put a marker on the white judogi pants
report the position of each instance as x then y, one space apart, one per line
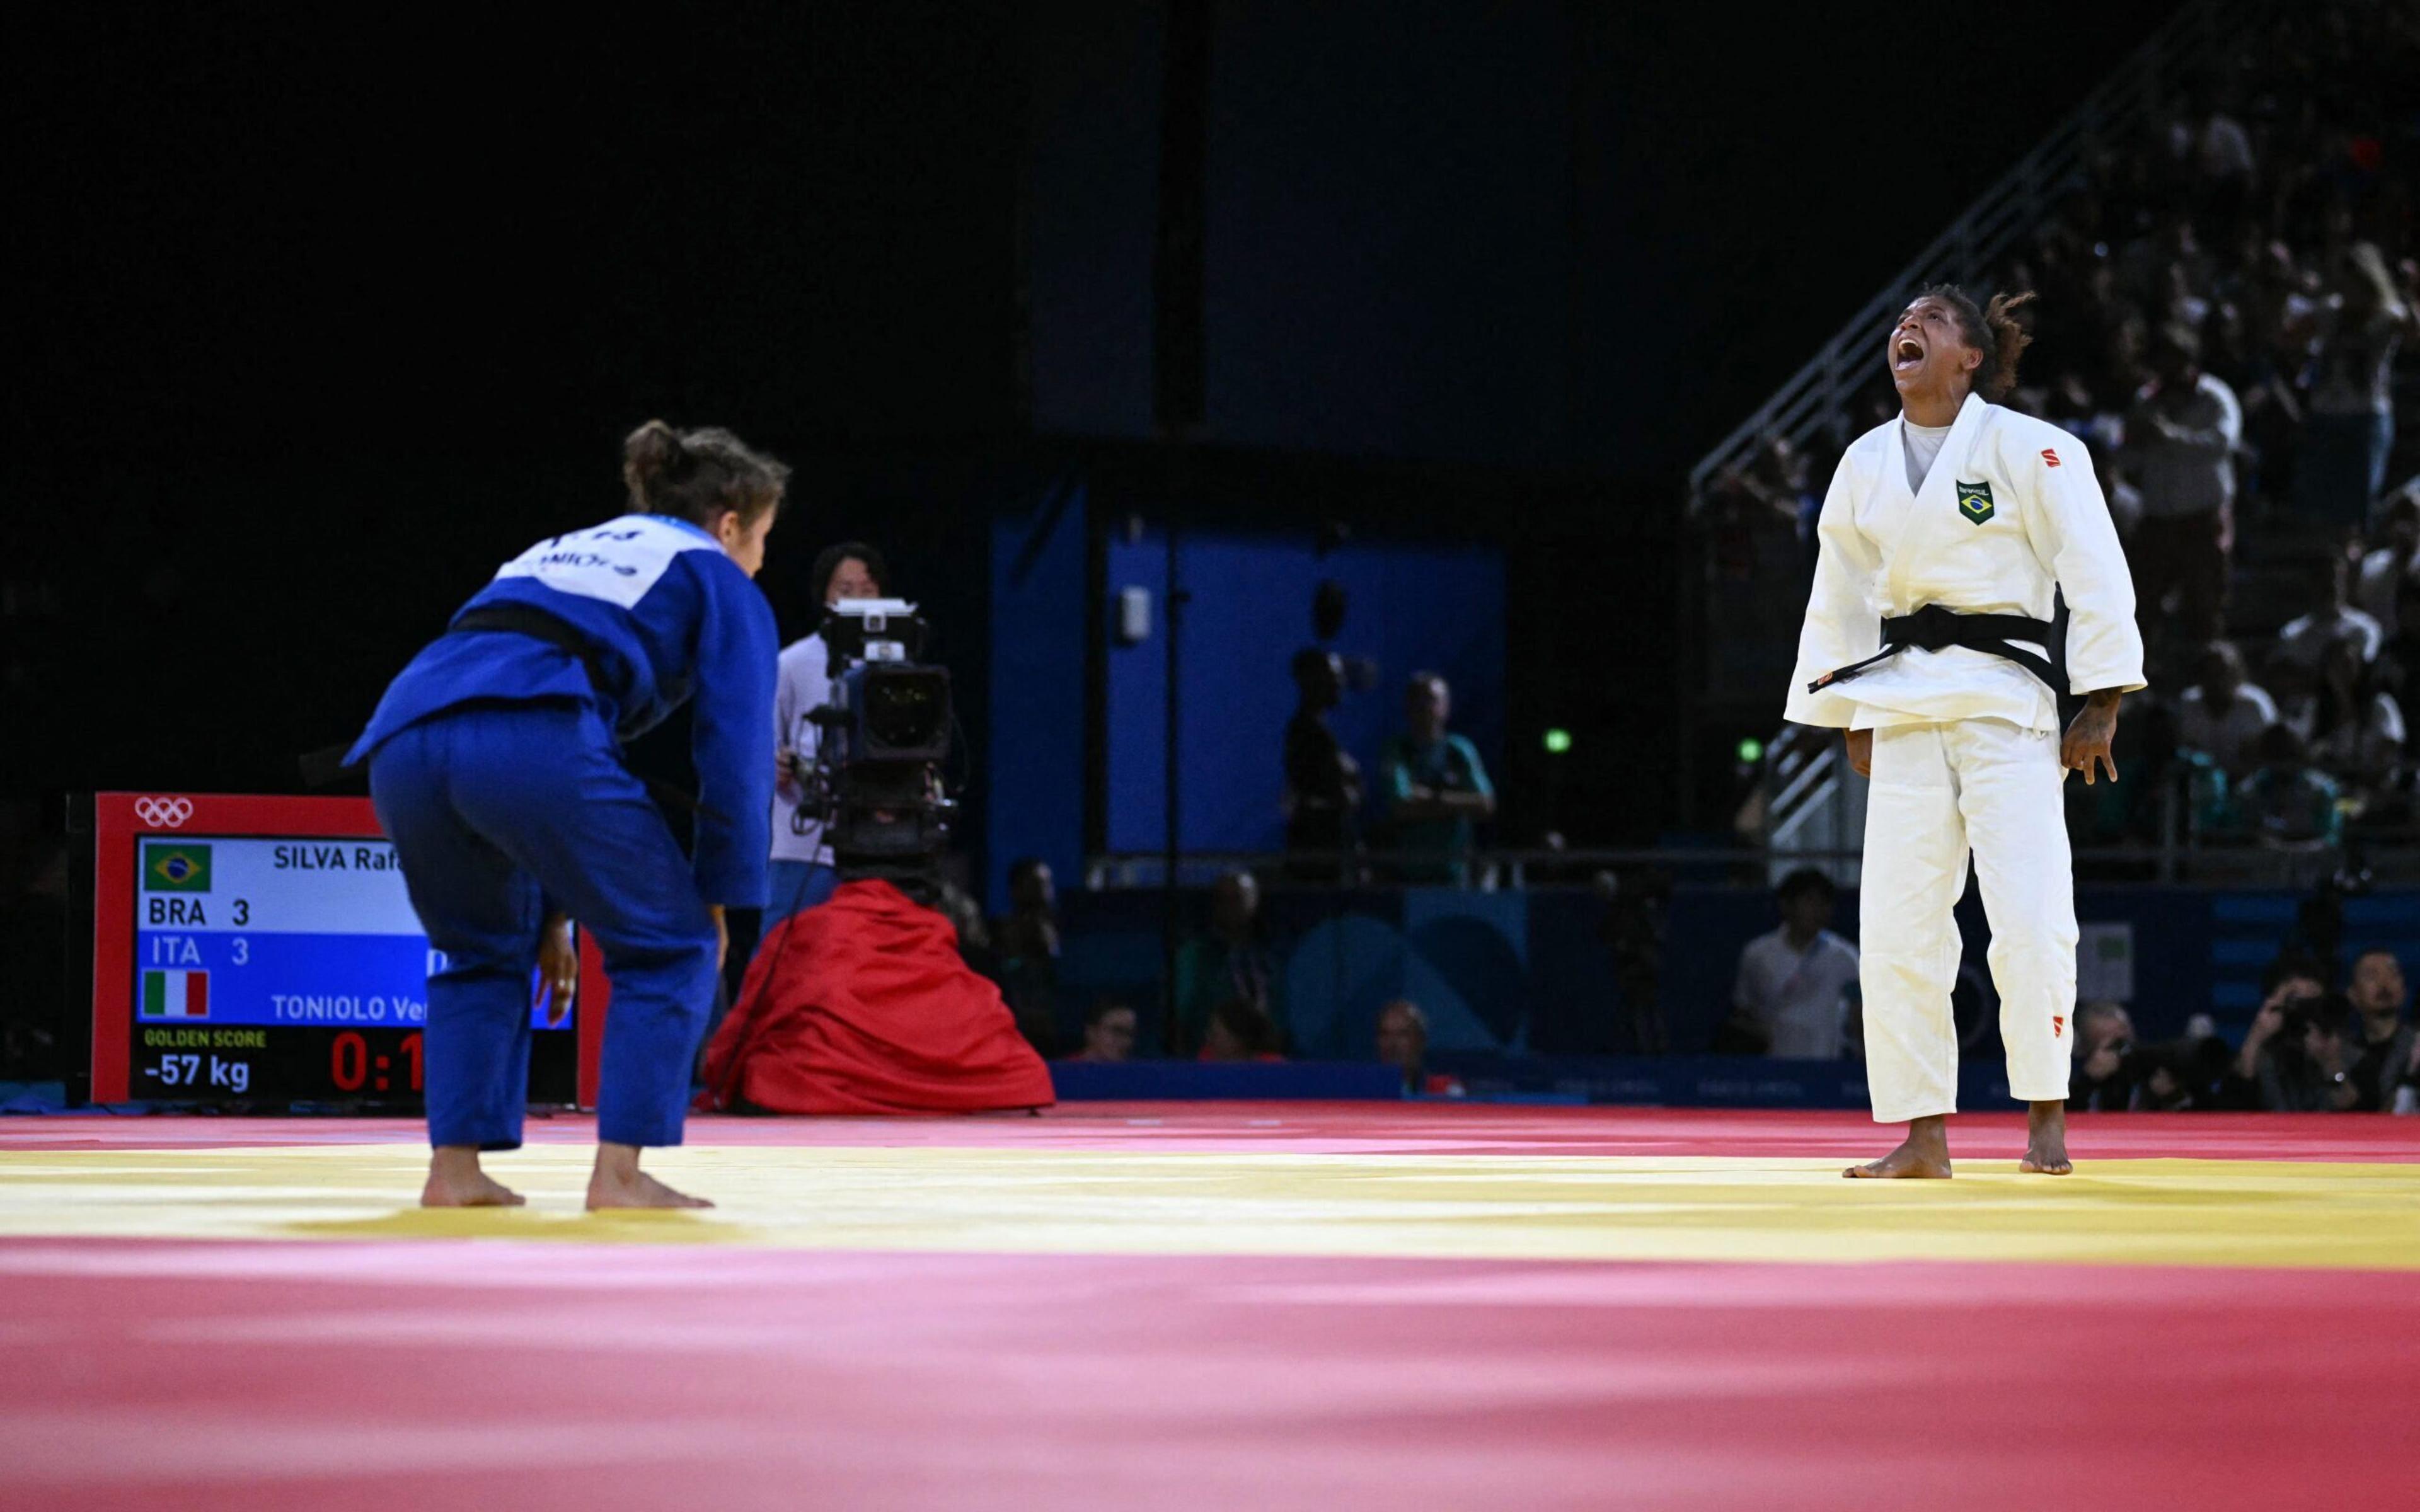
1938 790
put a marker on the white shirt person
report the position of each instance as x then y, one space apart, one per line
1795 985
803 873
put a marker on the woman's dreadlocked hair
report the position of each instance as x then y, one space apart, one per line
1991 330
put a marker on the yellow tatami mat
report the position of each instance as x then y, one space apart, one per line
2166 1212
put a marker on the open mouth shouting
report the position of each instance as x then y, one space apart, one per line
1907 352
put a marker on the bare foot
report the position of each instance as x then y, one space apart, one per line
2046 1141
618 1182
455 1180
1925 1152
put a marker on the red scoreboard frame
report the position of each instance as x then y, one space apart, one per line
119 819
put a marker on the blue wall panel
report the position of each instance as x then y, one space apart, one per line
1035 750
1413 608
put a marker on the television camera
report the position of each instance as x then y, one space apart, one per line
876 782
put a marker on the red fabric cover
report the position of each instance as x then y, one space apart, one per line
864 1006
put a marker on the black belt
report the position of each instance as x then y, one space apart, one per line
323 768
519 619
1935 628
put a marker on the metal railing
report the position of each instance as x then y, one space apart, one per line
1812 811
2182 858
1820 393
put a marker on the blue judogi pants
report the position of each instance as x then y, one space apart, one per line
496 809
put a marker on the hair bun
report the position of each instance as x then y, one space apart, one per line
650 453
698 474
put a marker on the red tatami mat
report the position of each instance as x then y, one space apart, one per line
551 1377
507 1372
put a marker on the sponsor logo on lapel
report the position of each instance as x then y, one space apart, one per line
1974 500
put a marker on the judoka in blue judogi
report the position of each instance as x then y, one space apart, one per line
494 761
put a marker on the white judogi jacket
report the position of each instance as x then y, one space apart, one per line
2009 514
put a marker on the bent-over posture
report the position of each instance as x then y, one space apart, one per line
495 763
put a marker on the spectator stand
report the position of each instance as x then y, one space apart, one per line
2240 184
1589 972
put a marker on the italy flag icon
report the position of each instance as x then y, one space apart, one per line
176 995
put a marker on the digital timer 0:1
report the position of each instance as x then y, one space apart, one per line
350 1064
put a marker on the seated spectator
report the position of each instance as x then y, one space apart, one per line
2305 641
2223 154
1240 1029
2353 728
2287 802
2295 1052
1403 1040
2398 663
1790 996
2181 440
2130 807
2379 587
1634 928
2102 1079
973 932
1108 1034
2385 1042
1231 961
2181 1076
2290 981
1436 788
1404 1043
1026 943
1322 792
2222 715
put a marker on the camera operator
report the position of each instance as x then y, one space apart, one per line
2385 1043
2102 1080
2180 1076
865 1002
2294 1052
802 872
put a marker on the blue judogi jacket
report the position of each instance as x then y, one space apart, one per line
665 615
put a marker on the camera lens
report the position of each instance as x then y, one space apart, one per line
906 709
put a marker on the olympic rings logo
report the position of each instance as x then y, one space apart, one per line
164 814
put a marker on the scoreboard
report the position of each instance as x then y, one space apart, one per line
262 952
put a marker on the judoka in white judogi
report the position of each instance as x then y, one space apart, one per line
2003 518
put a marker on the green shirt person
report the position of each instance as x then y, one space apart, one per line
1228 963
1437 789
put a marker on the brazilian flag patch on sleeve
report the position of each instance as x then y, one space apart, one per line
1974 500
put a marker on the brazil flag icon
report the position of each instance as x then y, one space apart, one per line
1974 500
175 869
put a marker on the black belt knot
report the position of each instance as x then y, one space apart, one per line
1937 627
